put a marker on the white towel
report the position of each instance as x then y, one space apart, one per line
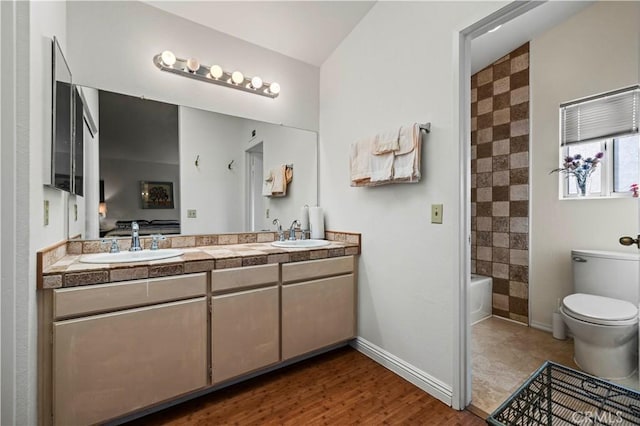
267 185
385 142
360 167
381 167
406 162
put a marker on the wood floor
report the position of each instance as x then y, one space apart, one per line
341 387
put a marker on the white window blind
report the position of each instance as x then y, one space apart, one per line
602 116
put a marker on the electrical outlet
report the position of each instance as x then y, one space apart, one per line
75 212
191 213
267 213
46 212
436 213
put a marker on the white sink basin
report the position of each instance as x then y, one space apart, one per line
300 243
130 256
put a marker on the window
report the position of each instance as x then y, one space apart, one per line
606 123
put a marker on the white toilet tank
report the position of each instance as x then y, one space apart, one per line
607 273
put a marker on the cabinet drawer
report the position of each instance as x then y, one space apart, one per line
108 365
299 271
76 301
238 278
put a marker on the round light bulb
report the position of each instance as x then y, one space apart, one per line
256 82
193 65
274 88
216 71
237 77
168 58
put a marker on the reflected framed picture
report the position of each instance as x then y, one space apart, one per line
156 195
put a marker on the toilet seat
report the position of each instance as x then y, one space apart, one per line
600 310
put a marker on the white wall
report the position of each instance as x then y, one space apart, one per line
595 51
408 267
284 145
131 33
92 166
211 188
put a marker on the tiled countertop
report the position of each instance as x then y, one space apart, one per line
68 271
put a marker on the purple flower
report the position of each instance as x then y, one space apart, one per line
568 159
577 156
600 155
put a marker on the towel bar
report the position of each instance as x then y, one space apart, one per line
426 127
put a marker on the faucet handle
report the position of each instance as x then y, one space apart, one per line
115 248
154 241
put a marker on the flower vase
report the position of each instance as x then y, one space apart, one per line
582 181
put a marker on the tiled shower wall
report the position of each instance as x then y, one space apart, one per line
500 181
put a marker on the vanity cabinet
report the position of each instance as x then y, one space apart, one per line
108 364
318 304
245 320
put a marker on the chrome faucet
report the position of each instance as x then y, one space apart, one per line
280 231
135 238
292 231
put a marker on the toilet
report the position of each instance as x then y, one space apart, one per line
602 314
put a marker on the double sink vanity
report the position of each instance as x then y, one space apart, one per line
121 337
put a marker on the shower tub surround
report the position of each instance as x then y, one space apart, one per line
500 181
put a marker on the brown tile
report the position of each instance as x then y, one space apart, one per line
483 165
484 209
520 50
483 253
519 318
500 313
474 197
350 251
501 178
247 238
226 239
501 239
519 224
125 274
519 273
254 260
501 132
519 128
484 194
519 176
278 258
474 81
485 106
299 256
199 266
518 306
474 137
85 278
502 59
474 166
206 240
500 162
483 268
502 85
501 286
519 257
519 192
233 262
52 281
501 70
266 237
500 270
74 247
474 180
501 116
520 79
485 150
483 223
503 100
518 289
183 241
519 63
519 143
474 109
500 208
485 76
319 254
486 135
484 180
483 238
485 91
166 270
501 302
501 224
520 111
501 147
473 266
474 95
519 209
519 241
518 96
500 193
500 255
336 252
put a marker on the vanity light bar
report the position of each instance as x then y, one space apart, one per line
167 61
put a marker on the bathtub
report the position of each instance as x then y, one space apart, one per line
480 298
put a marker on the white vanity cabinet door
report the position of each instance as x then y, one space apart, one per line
108 365
245 328
316 314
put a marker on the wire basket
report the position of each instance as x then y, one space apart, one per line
557 395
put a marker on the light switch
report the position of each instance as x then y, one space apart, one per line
191 213
267 213
436 213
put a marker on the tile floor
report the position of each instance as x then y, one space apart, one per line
504 354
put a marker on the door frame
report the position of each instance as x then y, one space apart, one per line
461 390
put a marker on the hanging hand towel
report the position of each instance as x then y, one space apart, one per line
386 142
360 168
267 185
406 162
282 176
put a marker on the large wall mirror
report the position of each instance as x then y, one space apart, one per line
180 170
62 119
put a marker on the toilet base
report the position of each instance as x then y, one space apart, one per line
616 362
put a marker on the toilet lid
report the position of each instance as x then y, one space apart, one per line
599 309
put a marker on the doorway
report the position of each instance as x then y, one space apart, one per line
255 202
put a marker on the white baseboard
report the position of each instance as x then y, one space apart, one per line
424 381
541 326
